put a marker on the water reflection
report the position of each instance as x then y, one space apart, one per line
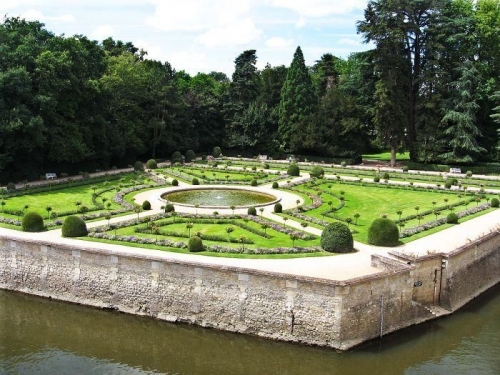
39 336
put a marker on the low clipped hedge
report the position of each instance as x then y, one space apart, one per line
337 238
146 205
74 226
32 222
195 244
383 232
293 170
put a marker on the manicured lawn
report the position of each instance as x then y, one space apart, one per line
386 156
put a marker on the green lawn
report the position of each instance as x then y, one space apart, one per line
386 156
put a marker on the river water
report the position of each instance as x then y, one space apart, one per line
39 336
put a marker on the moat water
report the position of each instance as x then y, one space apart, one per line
43 337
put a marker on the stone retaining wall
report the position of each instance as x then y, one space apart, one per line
338 314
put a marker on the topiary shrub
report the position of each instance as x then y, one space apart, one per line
337 238
383 232
293 170
190 156
195 181
278 208
452 218
275 185
469 174
494 202
146 205
74 226
138 166
405 168
11 186
175 182
266 165
195 244
176 157
376 179
317 172
216 152
252 211
32 222
253 182
169 207
151 164
386 176
447 185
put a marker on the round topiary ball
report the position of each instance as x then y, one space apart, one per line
376 179
452 218
175 182
405 168
138 166
494 202
189 156
216 152
176 157
278 208
252 211
169 207
275 185
317 172
11 186
253 182
386 176
195 181
32 222
146 205
337 238
74 226
293 170
383 232
195 244
151 164
447 185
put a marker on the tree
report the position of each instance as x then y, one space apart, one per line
297 101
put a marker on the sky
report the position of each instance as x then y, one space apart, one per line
207 35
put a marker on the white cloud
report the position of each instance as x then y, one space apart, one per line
320 8
189 60
36 15
197 15
349 42
155 52
234 34
277 42
103 32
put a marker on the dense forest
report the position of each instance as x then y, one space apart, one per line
430 85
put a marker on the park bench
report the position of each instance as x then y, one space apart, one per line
455 170
50 176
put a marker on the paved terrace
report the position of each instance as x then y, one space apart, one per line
339 267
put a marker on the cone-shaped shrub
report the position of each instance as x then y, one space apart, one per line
383 232
74 226
337 238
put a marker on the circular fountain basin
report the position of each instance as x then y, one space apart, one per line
219 197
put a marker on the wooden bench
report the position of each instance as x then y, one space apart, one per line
455 170
50 176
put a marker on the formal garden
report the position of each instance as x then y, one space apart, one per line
334 205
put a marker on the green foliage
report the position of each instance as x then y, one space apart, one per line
469 174
386 176
176 157
169 207
195 181
11 186
175 182
447 184
74 226
195 244
376 179
190 156
278 208
216 152
138 166
383 232
151 164
146 205
252 211
32 222
317 172
253 182
494 202
337 238
452 218
293 170
405 168
275 185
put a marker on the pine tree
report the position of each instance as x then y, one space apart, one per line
297 102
